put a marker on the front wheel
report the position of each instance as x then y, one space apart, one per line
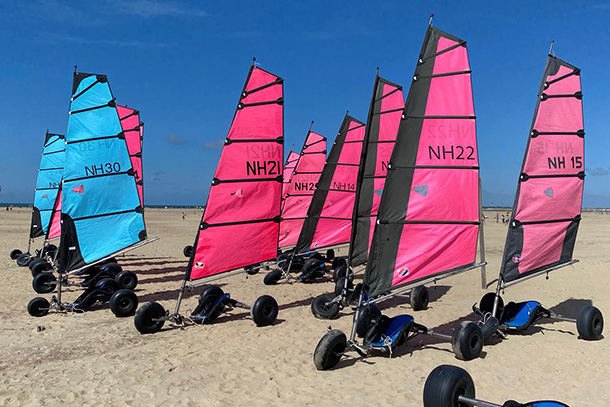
323 307
590 323
330 350
15 253
419 298
445 384
187 251
39 266
148 318
24 259
264 311
123 303
38 307
273 277
127 279
467 341
44 283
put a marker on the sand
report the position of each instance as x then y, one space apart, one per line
97 359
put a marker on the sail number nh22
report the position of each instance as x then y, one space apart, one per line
451 152
557 163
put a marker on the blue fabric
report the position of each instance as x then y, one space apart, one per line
523 315
94 195
49 179
396 326
547 404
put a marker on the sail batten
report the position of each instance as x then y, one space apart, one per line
240 223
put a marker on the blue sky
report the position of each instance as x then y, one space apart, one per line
183 64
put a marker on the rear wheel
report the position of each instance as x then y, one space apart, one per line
330 254
264 311
40 266
338 262
207 298
123 303
24 259
330 349
44 283
590 323
147 319
49 250
366 318
112 269
445 384
323 307
339 272
486 305
467 341
127 279
273 277
187 251
15 254
419 298
340 285
38 307
109 286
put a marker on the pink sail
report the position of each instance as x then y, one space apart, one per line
301 188
55 226
133 130
547 209
329 217
240 223
384 118
291 162
428 218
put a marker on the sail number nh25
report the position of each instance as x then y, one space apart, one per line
559 162
451 152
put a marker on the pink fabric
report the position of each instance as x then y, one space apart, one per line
130 123
301 188
542 244
339 204
55 226
552 198
443 194
291 162
223 248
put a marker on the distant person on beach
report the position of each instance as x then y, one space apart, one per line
183 216
497 217
503 219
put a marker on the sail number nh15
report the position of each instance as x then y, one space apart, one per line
559 162
451 152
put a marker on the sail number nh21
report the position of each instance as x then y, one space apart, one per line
557 163
259 168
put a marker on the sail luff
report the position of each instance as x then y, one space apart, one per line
291 162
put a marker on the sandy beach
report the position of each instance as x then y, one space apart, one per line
98 359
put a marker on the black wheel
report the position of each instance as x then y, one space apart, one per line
109 285
44 283
273 277
467 341
15 254
590 323
419 298
127 279
40 266
49 250
264 311
445 384
24 259
187 251
112 269
320 310
340 285
123 303
207 298
38 307
330 349
330 254
147 318
339 272
486 305
367 316
338 262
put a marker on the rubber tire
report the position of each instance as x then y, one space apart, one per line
330 254
590 323
111 268
15 253
187 251
40 266
108 283
467 341
340 285
445 384
272 277
38 307
366 317
143 320
49 250
339 272
264 311
123 303
24 259
419 298
487 304
209 295
127 279
330 349
338 262
43 283
320 310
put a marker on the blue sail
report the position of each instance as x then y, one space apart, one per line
101 211
50 173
